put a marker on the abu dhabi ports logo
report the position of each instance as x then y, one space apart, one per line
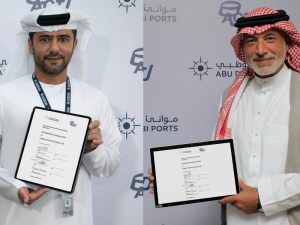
40 4
127 125
200 68
139 184
221 69
137 60
127 4
3 65
230 11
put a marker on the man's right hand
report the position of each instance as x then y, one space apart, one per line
28 196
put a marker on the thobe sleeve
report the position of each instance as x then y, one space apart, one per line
8 184
279 193
105 159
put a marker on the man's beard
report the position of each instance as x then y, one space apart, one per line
52 70
260 70
272 69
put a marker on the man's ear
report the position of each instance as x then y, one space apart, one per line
30 47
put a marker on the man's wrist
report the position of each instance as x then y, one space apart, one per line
258 204
259 207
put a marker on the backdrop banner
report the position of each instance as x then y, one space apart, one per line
189 63
114 66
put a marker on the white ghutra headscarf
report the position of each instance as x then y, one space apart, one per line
50 19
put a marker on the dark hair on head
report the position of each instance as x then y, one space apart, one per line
75 34
31 35
73 31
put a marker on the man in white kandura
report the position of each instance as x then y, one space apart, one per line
261 113
49 37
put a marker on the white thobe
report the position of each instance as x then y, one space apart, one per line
17 99
260 134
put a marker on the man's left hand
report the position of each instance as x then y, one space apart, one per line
94 137
246 200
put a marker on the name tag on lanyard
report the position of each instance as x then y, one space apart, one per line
67 203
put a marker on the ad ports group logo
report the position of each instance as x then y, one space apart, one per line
137 60
139 184
230 11
3 64
40 4
158 13
127 4
161 124
127 125
200 68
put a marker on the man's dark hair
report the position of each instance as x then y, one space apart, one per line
32 33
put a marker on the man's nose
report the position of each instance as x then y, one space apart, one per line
261 48
54 45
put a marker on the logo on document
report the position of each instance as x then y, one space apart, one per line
127 4
73 124
200 68
40 4
230 11
139 184
127 125
201 149
137 60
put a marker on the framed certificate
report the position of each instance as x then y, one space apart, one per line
52 149
195 172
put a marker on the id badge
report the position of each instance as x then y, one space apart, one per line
67 201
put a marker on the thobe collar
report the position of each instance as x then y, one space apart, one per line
267 84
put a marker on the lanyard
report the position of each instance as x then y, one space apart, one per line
67 199
44 98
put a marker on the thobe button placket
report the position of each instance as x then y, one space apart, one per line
254 157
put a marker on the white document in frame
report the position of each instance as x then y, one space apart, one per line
52 149
194 172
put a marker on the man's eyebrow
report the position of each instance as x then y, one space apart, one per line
45 35
246 36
